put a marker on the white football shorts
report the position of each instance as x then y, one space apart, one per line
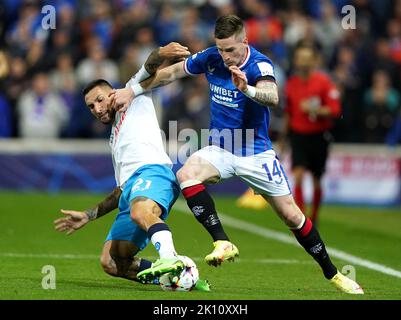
262 172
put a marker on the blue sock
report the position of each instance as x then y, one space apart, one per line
144 264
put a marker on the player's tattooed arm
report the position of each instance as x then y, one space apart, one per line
108 204
159 58
165 76
173 52
120 99
153 62
74 220
266 93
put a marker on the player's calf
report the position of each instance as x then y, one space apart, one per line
122 267
309 238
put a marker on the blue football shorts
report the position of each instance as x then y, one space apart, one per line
155 182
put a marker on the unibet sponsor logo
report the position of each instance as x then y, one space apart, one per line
223 91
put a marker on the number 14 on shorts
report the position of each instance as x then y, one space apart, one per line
274 173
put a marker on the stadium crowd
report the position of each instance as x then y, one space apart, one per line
43 70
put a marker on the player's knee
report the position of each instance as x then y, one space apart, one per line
293 219
143 208
108 266
136 216
184 174
290 213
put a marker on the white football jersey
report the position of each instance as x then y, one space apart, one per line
136 139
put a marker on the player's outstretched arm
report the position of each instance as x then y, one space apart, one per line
265 92
167 55
173 52
165 76
121 98
162 56
74 220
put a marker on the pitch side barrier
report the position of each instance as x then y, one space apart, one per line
357 174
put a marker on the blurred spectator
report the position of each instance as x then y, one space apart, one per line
102 24
349 128
146 44
36 57
5 119
4 68
264 30
63 79
382 61
393 137
133 16
191 27
394 34
5 107
14 85
328 29
166 25
27 29
381 105
296 27
42 112
96 65
129 63
61 42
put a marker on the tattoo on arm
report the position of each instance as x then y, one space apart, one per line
165 76
107 205
153 62
266 93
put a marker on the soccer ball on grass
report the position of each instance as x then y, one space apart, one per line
185 281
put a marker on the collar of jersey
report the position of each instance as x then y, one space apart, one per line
248 54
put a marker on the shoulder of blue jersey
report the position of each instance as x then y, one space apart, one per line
205 52
265 68
263 63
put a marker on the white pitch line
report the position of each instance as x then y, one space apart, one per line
49 256
285 238
152 258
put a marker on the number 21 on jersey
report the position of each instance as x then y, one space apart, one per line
141 185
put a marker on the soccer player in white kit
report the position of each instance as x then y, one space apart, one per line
146 186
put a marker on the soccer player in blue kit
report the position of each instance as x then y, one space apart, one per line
242 88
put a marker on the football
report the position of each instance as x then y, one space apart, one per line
186 281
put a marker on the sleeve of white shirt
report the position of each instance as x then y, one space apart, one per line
141 75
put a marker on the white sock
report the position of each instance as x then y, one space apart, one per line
163 242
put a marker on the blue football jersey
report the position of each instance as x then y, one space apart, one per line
234 116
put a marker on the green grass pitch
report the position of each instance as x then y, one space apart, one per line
267 268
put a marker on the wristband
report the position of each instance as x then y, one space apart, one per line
250 92
137 89
142 74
